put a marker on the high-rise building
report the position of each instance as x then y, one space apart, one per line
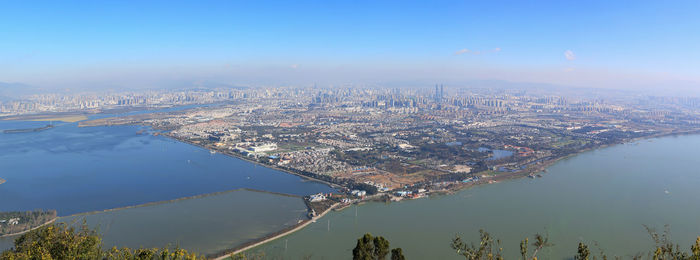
437 94
442 93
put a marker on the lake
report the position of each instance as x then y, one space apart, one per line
603 196
75 170
204 225
497 154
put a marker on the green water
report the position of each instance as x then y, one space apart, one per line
203 225
603 196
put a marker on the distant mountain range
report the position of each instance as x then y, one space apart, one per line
11 91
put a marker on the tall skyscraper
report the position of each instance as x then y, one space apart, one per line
442 93
437 93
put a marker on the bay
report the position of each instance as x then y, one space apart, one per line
75 170
602 197
79 169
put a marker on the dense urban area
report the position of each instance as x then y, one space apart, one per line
404 143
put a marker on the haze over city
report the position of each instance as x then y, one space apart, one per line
364 130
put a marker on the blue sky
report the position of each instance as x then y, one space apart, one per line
101 43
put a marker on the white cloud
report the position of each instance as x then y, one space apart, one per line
294 66
462 51
496 50
569 55
568 69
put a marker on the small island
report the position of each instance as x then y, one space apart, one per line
16 222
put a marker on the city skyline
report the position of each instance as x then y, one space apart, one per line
623 45
228 129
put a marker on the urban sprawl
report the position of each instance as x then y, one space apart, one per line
390 142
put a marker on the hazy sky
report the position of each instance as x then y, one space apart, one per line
149 43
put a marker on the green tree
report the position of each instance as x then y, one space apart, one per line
695 249
60 241
397 254
484 251
523 249
373 248
583 252
57 241
490 248
364 248
381 248
540 242
665 249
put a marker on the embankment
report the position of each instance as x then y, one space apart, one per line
181 199
274 236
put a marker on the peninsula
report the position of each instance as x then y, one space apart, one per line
409 143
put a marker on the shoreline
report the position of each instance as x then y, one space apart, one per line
536 168
547 163
28 230
294 228
540 167
274 236
270 166
511 176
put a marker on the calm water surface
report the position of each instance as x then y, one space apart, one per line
75 170
205 225
497 154
603 196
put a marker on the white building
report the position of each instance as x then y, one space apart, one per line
264 147
317 197
358 193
